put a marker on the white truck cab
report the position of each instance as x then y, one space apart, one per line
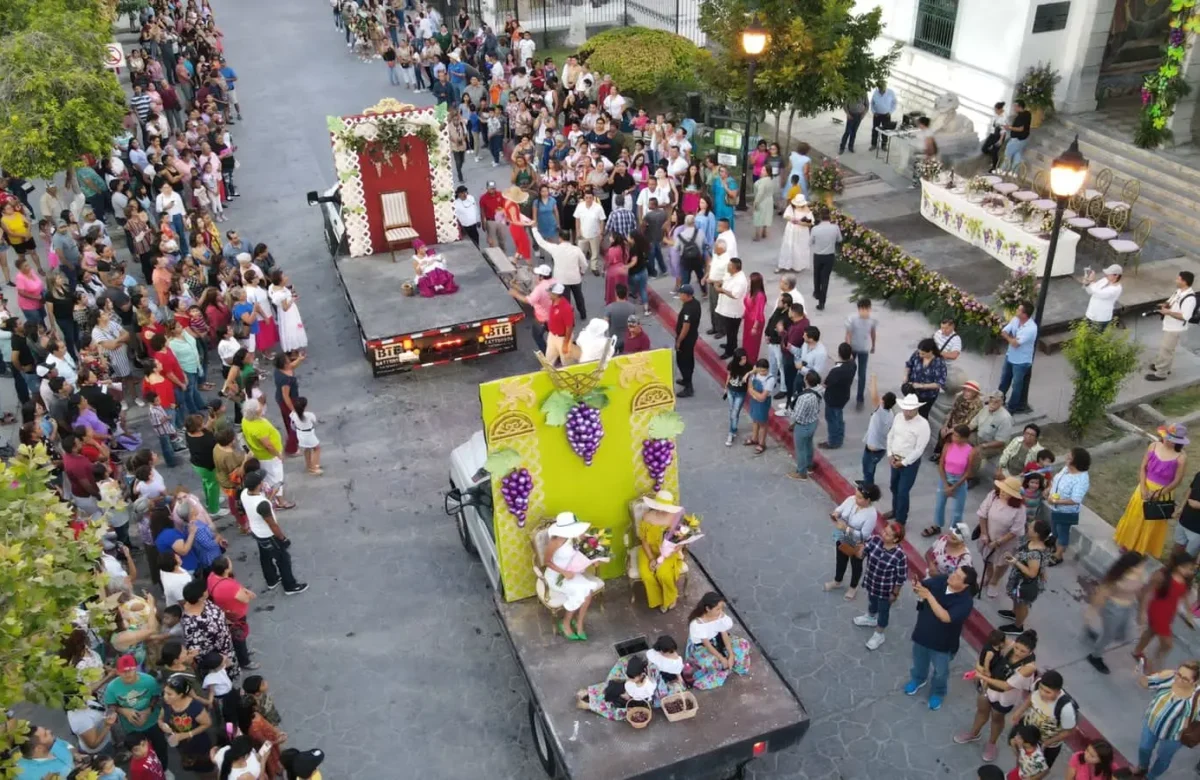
469 502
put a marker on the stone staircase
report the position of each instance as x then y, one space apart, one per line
1170 194
914 94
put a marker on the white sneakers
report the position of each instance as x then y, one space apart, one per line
865 621
729 440
222 512
875 641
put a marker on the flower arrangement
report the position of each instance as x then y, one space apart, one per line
1036 87
384 138
882 270
826 177
685 530
978 184
995 202
1021 285
596 546
929 168
1163 88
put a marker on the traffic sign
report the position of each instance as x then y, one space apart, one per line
114 55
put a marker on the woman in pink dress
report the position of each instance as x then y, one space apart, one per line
755 304
614 268
692 185
517 222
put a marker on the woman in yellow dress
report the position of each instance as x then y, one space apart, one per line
1162 470
660 574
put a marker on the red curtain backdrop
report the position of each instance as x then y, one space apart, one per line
411 178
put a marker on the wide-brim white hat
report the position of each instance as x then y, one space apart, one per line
567 526
663 501
909 402
798 201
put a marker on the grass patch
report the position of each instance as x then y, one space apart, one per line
1057 438
1179 403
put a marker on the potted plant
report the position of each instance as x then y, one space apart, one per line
1036 88
1021 285
825 181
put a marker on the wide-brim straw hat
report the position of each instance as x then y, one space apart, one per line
567 526
516 194
1011 486
663 501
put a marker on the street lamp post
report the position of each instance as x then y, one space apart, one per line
1067 174
754 43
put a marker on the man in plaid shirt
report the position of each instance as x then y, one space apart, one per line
621 221
887 569
164 427
805 413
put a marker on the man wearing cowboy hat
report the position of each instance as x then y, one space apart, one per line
905 445
966 405
538 300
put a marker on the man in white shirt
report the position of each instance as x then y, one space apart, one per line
273 545
614 104
526 47
570 264
725 233
718 269
425 27
813 355
677 164
466 211
661 191
496 68
168 202
730 307
1175 312
682 143
1102 295
589 222
905 446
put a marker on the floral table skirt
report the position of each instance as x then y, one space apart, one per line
1008 242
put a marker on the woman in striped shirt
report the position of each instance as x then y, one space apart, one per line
1170 711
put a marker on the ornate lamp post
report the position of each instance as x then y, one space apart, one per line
754 43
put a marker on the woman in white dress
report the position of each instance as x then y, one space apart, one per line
574 588
795 253
292 336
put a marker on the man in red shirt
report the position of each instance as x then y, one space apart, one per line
489 205
171 370
79 471
144 764
234 599
561 326
636 339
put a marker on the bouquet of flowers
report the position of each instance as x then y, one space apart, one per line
928 168
826 177
685 531
1021 285
596 546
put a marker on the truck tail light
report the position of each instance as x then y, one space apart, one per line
760 749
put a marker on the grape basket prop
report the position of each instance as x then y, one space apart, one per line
516 483
659 450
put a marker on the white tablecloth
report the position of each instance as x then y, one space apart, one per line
1006 241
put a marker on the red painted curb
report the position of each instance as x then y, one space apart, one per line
977 627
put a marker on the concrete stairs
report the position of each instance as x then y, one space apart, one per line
1170 194
916 95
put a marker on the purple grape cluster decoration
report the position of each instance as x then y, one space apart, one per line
584 431
657 454
516 486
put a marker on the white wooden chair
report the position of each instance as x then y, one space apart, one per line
633 547
397 224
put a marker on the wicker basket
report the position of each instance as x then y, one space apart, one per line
640 707
685 698
408 289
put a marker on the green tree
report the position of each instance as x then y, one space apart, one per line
819 55
654 67
18 15
1102 360
59 101
45 574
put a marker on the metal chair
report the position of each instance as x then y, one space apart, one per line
1114 222
1100 186
1129 195
1130 250
1088 213
1032 192
1013 181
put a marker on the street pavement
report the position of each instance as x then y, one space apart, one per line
393 662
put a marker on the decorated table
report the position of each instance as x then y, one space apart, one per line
997 229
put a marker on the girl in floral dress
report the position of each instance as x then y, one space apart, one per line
711 648
630 679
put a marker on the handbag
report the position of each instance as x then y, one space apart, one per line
730 197
1158 509
1190 736
852 550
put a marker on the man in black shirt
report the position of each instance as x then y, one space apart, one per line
22 359
687 329
1187 532
838 383
1018 136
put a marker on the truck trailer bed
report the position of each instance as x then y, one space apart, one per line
730 722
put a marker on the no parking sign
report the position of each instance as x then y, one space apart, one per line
114 55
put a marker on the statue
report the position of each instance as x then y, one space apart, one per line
955 135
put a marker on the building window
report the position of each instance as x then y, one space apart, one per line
935 26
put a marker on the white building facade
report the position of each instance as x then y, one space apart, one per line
980 49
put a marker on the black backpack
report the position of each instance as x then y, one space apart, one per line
690 253
1195 318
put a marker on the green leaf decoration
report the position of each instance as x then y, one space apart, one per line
502 461
556 406
597 399
346 176
666 425
335 124
440 112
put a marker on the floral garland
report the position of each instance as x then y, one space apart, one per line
882 270
1163 88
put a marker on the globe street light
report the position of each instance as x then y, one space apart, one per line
1068 171
754 43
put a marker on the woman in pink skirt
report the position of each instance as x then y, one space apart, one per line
615 272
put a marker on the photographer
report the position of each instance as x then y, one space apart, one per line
1176 313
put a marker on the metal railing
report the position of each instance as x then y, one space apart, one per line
935 26
549 20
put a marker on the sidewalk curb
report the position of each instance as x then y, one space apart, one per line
829 479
